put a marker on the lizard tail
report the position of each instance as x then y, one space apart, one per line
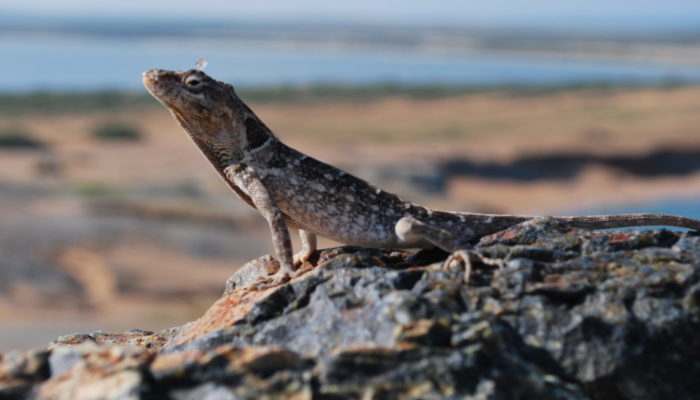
627 220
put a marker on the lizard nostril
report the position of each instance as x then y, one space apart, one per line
152 74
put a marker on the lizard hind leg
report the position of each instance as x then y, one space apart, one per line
412 231
308 247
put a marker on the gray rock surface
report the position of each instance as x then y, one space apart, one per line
572 315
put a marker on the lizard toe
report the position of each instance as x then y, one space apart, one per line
468 256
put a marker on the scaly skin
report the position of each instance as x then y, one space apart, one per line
293 190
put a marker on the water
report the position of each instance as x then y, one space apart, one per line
62 62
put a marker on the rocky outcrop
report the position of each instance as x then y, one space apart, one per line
571 315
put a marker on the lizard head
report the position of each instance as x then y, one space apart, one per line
210 111
202 105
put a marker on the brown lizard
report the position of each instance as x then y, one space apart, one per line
293 190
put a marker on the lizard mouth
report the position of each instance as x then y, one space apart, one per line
150 82
156 82
149 78
163 86
156 87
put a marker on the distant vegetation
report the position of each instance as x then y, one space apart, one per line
188 188
55 102
19 138
96 189
321 92
117 131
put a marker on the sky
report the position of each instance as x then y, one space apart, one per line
636 13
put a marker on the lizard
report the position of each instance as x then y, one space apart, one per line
293 190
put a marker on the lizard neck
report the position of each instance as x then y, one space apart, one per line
219 153
239 145
235 145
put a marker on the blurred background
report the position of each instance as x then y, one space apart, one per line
111 219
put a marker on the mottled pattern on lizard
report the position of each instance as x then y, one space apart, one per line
293 190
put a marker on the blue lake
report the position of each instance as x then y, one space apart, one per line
32 62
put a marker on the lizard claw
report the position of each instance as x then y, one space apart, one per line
467 257
302 257
275 274
463 256
279 278
308 248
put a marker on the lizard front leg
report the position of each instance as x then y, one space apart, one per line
248 180
308 247
410 230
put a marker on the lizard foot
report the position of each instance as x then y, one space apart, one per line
467 257
308 248
277 279
302 257
277 274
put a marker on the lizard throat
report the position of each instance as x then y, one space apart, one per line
179 116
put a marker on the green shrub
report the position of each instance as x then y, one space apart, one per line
116 131
189 188
18 138
48 102
95 189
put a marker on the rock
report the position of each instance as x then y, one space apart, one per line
572 315
20 371
89 371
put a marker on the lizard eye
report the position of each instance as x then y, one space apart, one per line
193 81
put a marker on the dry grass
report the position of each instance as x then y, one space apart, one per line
596 120
486 126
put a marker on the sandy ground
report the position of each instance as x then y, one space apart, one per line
159 260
